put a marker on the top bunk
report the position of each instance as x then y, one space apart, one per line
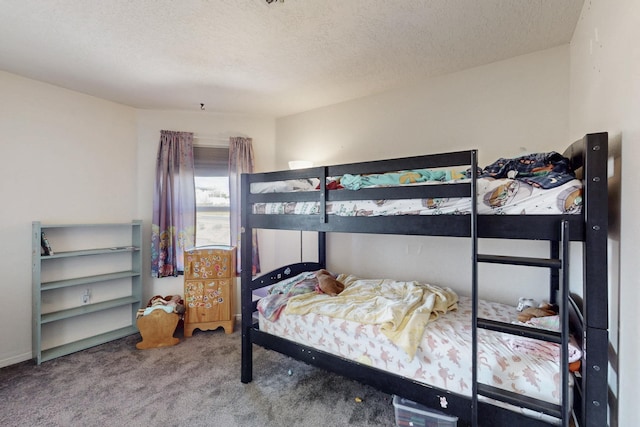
431 195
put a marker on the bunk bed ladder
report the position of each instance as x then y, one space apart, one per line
558 265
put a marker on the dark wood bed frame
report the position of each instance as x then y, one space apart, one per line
586 316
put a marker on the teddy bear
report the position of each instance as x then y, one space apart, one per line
328 283
544 309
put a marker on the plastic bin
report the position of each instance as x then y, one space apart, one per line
412 414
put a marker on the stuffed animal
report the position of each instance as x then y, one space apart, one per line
543 310
525 302
328 284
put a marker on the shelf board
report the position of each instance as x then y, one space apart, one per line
87 308
47 286
86 252
99 224
72 347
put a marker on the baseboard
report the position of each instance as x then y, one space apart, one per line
15 359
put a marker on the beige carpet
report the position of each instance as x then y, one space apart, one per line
195 383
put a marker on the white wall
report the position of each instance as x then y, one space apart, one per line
67 158
605 95
501 109
217 126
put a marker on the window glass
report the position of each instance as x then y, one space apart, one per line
212 196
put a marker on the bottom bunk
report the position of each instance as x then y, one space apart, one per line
437 375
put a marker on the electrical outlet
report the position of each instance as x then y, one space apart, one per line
86 296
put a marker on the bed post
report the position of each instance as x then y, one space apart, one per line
246 243
554 275
473 230
322 236
322 249
596 215
595 284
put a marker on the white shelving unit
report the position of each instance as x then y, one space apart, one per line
88 290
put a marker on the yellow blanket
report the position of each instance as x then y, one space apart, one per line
402 309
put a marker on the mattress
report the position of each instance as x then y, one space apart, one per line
443 358
503 196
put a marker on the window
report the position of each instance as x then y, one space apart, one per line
212 195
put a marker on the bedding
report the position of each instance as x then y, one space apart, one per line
442 355
416 176
495 197
401 310
545 170
552 323
285 186
533 184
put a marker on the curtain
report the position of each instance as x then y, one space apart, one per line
240 161
174 204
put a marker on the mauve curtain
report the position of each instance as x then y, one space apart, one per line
240 161
174 204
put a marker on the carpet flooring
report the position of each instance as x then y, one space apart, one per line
194 383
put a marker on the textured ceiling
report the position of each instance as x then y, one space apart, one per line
247 56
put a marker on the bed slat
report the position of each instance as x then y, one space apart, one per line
520 400
523 331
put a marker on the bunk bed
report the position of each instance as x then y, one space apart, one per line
584 317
